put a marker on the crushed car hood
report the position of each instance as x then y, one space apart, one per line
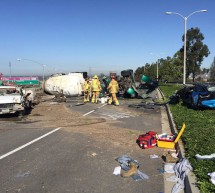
10 99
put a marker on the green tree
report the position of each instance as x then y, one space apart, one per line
146 69
212 70
170 69
139 72
196 51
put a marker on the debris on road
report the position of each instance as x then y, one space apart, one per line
169 167
130 167
117 170
181 169
170 157
154 156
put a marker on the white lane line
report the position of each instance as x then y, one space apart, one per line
102 106
29 143
88 113
93 110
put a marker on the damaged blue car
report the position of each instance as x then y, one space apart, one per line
197 96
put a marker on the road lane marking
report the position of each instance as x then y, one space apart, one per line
93 110
88 113
111 115
102 106
29 143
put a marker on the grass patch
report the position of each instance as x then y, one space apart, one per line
198 137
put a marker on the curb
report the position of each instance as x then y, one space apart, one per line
190 179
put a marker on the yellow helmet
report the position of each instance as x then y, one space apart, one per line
95 77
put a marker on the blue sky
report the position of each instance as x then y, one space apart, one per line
96 35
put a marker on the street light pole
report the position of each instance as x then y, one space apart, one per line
185 50
10 68
43 72
185 37
43 65
157 68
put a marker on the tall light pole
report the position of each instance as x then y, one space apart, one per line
157 68
43 65
10 68
185 36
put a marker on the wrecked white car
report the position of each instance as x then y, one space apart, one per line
14 100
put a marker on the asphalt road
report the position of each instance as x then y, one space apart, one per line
70 161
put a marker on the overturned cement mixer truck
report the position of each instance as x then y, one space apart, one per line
67 84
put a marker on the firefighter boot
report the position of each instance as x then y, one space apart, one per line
131 172
117 103
110 101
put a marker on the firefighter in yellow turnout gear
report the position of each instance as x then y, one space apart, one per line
95 88
87 89
113 88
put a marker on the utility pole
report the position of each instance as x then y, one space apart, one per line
157 68
10 68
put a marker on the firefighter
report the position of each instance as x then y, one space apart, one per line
95 88
113 88
87 88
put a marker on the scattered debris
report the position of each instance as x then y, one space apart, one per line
181 169
21 175
131 171
117 170
206 157
53 103
153 156
146 105
169 167
130 167
94 154
171 157
212 175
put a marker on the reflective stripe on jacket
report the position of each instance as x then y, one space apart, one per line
96 86
86 86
